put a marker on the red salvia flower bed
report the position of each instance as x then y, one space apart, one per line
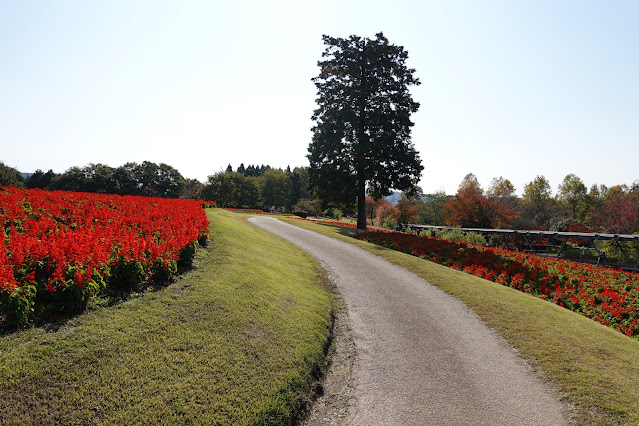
606 295
59 248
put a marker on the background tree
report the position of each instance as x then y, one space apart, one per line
128 183
100 179
73 179
10 176
232 189
40 179
247 191
502 193
386 215
191 189
362 126
432 209
470 208
221 188
537 203
619 213
572 197
276 189
407 212
299 185
370 208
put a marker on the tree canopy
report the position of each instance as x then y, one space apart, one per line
361 136
10 176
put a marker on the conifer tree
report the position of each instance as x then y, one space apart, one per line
361 137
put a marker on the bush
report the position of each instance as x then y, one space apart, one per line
300 213
127 275
334 213
390 223
456 234
187 255
311 207
164 270
16 305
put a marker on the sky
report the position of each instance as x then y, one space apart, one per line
510 88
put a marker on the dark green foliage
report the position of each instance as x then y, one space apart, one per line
232 189
432 209
40 179
127 275
164 270
299 185
158 180
312 207
146 179
251 170
276 188
10 176
362 124
16 305
187 255
300 213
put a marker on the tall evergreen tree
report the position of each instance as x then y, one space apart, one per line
362 126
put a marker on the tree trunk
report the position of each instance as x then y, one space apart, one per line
361 204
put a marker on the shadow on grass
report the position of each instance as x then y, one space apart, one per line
52 317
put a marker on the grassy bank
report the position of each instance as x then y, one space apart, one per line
234 341
595 367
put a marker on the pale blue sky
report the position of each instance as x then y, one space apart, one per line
514 88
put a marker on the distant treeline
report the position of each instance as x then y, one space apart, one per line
574 207
255 186
260 187
146 179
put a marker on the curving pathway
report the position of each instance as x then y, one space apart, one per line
422 357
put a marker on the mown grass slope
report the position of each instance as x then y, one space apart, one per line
595 368
237 340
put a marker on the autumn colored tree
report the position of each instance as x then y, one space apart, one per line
619 213
469 208
407 212
502 193
361 137
383 211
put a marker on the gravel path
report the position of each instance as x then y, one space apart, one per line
421 356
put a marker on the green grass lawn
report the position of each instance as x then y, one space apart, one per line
237 340
594 367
